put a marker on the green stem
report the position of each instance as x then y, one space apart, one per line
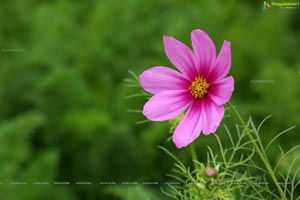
194 155
264 160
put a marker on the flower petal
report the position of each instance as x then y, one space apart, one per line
220 91
167 105
158 79
211 116
203 115
180 56
204 51
189 127
223 62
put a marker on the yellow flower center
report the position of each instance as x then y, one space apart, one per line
199 87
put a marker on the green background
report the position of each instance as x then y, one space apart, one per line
63 112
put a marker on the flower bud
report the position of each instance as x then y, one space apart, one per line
211 172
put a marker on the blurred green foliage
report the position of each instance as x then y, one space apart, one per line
62 97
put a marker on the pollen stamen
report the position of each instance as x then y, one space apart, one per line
199 87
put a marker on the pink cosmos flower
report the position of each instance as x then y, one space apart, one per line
200 87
